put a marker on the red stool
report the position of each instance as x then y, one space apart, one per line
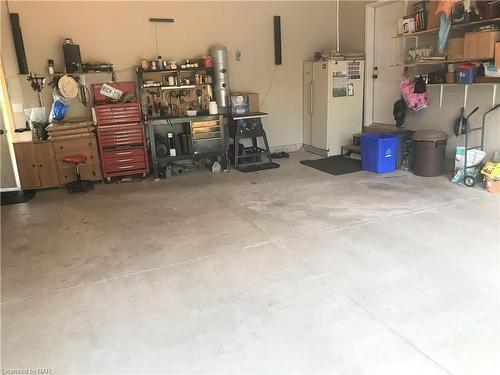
79 185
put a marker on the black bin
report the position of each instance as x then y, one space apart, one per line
429 147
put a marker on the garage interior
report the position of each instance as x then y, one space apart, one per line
250 187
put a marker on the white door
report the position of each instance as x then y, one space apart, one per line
7 175
319 136
307 104
385 62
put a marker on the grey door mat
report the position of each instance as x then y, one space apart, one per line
258 167
336 165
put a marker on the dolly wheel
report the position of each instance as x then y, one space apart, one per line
469 181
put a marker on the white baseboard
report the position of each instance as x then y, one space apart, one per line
286 148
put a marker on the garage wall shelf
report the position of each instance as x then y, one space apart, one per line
442 86
457 26
439 62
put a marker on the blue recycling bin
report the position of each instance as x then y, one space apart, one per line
379 152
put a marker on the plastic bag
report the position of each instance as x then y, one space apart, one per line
415 102
474 157
37 120
59 108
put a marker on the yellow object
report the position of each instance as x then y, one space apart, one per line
491 170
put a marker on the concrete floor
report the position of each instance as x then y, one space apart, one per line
282 271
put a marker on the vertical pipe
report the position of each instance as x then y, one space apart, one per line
440 96
337 25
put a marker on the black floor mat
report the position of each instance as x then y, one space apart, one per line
258 167
335 165
15 197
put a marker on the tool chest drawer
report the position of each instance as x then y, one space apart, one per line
110 114
117 168
123 153
125 159
121 136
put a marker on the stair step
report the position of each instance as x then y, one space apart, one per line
351 148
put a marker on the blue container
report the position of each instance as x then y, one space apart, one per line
379 152
466 76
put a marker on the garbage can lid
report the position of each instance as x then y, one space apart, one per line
430 135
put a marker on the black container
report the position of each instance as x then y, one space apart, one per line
429 148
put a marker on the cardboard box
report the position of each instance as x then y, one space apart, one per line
456 48
249 102
497 55
432 18
481 45
493 186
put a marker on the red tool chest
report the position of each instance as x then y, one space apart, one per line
120 133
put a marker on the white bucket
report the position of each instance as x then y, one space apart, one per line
212 108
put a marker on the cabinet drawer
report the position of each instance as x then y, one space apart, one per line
202 124
85 146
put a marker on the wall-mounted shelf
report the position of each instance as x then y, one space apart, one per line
456 26
141 70
439 62
466 91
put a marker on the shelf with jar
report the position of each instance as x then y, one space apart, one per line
177 89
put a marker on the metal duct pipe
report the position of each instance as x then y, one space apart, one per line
222 90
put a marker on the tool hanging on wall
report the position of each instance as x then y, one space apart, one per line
37 84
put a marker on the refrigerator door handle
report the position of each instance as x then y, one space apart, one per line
311 96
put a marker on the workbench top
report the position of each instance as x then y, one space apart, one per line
180 120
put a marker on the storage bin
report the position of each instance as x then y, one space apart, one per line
466 73
379 152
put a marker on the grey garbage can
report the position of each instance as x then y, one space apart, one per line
429 147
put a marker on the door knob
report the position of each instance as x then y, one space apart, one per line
1 131
375 76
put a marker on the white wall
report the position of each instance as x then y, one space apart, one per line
352 25
248 26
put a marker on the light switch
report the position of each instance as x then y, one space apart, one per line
17 107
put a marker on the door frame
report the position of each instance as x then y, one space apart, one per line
369 53
8 119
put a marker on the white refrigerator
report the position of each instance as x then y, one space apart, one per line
333 104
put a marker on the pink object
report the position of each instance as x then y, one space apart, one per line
75 159
208 62
415 102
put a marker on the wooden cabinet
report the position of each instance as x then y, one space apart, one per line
36 165
27 165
